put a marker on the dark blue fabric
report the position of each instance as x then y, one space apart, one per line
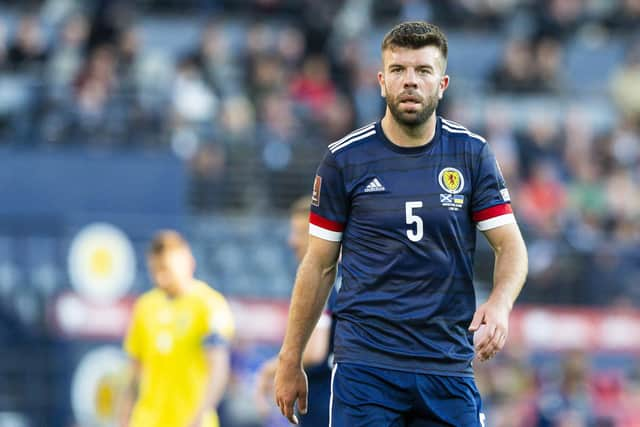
319 378
407 304
366 396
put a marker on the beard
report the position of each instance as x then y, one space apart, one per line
416 117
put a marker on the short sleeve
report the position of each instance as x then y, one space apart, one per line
221 324
491 203
329 204
133 341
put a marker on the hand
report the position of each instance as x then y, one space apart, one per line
291 386
493 316
264 386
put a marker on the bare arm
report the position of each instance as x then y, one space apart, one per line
219 369
313 283
130 394
510 272
315 353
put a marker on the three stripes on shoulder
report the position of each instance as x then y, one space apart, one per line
354 136
370 129
454 127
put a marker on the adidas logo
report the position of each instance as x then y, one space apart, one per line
374 185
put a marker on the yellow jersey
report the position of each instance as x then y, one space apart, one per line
168 337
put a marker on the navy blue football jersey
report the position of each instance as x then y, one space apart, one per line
406 219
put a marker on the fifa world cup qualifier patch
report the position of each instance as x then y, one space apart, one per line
317 186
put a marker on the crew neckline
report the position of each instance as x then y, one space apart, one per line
409 150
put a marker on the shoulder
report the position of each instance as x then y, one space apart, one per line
354 139
209 295
459 133
148 299
218 312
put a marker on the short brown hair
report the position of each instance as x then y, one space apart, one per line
416 35
301 206
166 240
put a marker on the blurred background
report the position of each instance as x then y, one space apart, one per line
118 118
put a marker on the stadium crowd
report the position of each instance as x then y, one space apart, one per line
250 93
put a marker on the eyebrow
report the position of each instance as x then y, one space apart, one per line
392 65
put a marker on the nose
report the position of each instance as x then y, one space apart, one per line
410 78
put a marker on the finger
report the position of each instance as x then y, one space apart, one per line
287 411
302 402
476 321
486 348
501 342
486 338
499 339
494 346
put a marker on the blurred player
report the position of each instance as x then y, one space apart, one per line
317 354
178 341
402 199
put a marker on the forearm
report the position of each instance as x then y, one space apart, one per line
312 287
218 378
129 395
510 270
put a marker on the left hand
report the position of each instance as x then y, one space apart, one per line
494 315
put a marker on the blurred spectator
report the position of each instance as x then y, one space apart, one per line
237 120
625 18
540 142
216 60
338 118
568 401
625 84
3 44
267 75
516 71
500 134
559 19
542 197
28 51
128 47
94 90
313 87
548 58
109 19
67 56
193 101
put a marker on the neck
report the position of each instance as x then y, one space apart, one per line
180 290
408 136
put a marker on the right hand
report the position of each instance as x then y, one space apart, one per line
265 386
291 386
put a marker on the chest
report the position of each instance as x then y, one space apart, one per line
422 192
172 325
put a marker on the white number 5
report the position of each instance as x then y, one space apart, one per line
414 236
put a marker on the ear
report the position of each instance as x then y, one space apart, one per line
383 92
444 84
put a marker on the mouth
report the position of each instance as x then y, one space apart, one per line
410 100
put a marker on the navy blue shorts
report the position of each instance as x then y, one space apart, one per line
369 396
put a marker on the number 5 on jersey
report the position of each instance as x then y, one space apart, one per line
414 236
